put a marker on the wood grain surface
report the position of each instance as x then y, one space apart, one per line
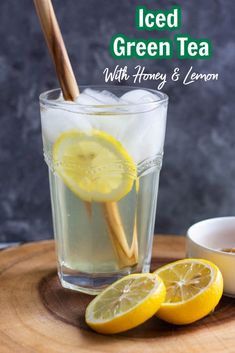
39 316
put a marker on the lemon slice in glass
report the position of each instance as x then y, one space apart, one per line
95 166
125 304
193 289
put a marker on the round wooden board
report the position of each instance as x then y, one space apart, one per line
39 316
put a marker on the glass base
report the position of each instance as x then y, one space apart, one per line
95 283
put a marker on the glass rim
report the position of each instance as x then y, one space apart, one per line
43 97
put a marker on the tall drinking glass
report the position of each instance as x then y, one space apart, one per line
104 158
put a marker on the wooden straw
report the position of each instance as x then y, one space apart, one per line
126 256
57 49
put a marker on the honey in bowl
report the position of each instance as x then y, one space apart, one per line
229 250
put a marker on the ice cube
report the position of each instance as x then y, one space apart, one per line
91 96
86 99
144 133
139 96
108 119
111 96
56 121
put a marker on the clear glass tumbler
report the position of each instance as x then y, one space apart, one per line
104 161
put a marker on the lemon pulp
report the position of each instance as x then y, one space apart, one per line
126 303
193 289
185 280
95 166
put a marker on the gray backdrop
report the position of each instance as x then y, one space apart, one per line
198 175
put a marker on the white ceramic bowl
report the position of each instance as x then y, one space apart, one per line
205 240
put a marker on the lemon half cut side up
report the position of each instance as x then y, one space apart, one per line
126 303
194 288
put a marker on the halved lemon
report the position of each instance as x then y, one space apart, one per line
126 303
95 166
193 289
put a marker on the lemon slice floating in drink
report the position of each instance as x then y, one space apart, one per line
194 288
95 166
125 304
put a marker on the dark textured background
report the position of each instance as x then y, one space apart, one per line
198 176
